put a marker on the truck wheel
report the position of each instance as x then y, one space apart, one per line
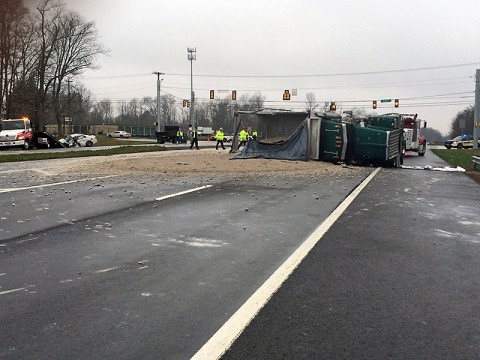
89 143
26 145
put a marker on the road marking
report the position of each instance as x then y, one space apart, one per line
54 184
183 192
106 270
216 346
11 291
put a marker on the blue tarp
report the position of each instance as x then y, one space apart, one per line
294 148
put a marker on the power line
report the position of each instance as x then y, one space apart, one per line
334 74
297 75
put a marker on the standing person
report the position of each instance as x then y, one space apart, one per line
243 137
219 137
254 135
179 136
194 139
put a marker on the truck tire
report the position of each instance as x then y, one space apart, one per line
89 143
26 145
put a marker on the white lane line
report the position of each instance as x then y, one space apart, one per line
183 192
54 184
106 270
226 335
11 291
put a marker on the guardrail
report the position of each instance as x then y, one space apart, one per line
476 161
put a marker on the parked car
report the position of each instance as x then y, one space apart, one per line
461 142
73 140
119 134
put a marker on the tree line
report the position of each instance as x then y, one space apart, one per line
42 53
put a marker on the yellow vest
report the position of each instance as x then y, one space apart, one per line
243 135
219 135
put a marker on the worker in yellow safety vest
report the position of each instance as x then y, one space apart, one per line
219 136
243 137
254 134
179 136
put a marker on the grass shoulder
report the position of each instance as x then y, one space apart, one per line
32 155
461 158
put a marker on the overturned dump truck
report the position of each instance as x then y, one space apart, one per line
377 140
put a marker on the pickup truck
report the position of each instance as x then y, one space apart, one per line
169 135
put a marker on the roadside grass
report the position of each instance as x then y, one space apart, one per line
32 155
461 158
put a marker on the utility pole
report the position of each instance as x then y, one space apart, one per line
476 116
159 84
192 55
69 110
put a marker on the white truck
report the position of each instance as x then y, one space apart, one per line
19 133
413 140
412 137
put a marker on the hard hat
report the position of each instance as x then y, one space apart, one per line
221 128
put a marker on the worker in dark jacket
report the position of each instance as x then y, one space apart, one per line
194 139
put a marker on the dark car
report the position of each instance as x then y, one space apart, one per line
460 142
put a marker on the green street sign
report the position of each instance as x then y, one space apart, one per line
386 100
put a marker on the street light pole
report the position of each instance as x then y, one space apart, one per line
159 84
192 55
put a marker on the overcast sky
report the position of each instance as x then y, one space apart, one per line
423 52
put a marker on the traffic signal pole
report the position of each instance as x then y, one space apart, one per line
476 116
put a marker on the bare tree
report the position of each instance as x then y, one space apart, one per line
310 102
103 112
253 103
168 108
74 52
12 13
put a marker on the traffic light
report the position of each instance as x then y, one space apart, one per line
234 94
188 103
333 106
212 94
184 102
374 104
286 95
397 102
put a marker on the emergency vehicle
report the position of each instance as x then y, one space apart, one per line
19 133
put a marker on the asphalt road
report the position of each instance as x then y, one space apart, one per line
113 268
396 277
109 268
